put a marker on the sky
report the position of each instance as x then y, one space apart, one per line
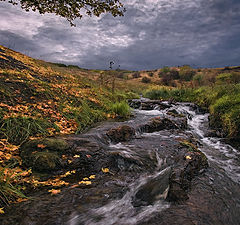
152 34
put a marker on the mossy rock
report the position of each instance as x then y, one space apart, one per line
50 144
43 154
44 161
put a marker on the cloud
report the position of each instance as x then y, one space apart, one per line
153 33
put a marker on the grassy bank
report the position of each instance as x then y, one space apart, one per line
222 101
40 99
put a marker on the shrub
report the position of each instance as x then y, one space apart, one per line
146 80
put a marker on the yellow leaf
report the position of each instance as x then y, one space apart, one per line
1 211
85 178
76 156
54 191
188 157
105 170
41 146
68 173
92 177
85 182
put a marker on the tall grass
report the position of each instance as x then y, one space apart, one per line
121 109
9 191
19 129
223 102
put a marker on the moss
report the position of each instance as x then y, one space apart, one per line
44 161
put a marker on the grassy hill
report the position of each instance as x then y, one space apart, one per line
40 99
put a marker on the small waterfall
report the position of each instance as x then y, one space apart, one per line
224 155
122 211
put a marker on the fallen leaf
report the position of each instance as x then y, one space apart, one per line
92 177
88 156
41 146
85 178
1 211
85 182
188 157
75 185
105 170
76 156
54 191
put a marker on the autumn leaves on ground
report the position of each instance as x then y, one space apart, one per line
39 99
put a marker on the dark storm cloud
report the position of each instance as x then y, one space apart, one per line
153 33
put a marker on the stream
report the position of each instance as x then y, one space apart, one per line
137 190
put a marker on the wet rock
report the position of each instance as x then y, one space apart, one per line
120 163
148 104
155 189
175 113
122 133
176 191
44 154
180 180
157 124
134 103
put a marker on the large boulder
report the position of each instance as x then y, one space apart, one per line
43 155
122 133
180 179
157 124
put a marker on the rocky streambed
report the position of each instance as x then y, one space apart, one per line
159 167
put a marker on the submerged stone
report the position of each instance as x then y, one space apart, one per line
121 133
155 189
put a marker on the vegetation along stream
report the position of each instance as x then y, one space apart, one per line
160 167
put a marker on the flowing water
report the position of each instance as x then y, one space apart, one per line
214 196
217 191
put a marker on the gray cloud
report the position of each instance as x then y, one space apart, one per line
152 34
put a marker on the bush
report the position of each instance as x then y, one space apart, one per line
146 80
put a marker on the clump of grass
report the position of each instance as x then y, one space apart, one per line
19 129
132 95
121 109
173 93
9 191
88 116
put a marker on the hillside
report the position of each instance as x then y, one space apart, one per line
40 99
